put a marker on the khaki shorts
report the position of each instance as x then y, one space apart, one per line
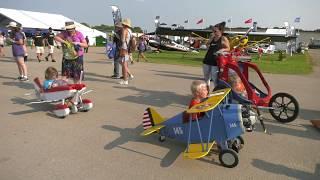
51 49
39 49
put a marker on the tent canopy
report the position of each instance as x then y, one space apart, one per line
39 20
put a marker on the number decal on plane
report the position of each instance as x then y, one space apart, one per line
177 130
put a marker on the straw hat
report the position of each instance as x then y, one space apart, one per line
69 25
12 24
126 22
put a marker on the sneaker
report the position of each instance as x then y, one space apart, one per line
115 77
53 60
24 79
19 78
47 59
122 82
131 76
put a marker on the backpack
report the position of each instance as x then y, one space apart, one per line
111 50
132 46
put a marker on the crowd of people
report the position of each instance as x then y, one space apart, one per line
74 45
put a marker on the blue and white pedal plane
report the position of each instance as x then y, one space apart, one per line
222 123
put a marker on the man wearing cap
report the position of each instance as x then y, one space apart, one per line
50 42
38 42
71 39
18 52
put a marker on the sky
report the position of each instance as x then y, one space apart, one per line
267 13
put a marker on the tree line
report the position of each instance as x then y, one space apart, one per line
108 28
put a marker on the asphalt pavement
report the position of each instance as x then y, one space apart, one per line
104 143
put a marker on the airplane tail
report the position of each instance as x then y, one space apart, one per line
151 118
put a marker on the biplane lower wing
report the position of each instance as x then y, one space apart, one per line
151 130
196 151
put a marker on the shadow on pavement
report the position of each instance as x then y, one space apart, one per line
283 170
307 114
7 77
304 131
154 98
17 83
178 75
34 107
133 135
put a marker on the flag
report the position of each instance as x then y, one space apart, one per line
200 21
116 14
297 19
248 21
186 21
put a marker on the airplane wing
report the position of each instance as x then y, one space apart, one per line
214 99
151 130
205 33
195 151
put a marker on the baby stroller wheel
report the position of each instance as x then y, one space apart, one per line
285 107
228 158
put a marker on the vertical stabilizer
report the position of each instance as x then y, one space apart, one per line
151 118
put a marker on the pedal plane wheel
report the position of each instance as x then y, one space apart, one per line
228 158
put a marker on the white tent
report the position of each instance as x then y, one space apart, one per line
30 19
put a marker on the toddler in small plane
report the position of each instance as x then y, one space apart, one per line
52 79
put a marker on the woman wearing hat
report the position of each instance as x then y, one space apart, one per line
73 43
124 53
18 51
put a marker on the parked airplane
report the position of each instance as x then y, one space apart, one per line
167 44
275 36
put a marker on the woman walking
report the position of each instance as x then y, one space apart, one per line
18 51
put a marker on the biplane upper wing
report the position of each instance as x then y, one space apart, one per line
215 98
195 151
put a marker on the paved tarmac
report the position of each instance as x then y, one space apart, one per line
104 143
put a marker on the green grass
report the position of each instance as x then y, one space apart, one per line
296 64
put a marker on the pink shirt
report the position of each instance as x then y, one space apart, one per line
78 37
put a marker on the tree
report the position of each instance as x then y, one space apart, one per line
103 28
107 28
85 24
137 29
